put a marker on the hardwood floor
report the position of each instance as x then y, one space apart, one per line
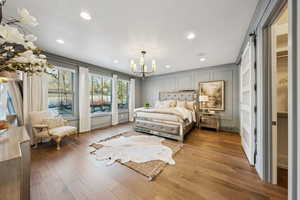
210 166
282 177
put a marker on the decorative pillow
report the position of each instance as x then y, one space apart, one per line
181 104
53 122
190 105
171 103
160 104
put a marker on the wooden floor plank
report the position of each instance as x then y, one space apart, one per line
210 166
282 177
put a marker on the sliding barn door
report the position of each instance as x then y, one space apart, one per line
247 100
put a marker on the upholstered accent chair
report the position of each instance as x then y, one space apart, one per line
46 125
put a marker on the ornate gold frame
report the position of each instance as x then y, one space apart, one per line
223 94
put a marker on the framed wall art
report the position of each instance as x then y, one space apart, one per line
211 95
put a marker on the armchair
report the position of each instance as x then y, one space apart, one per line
47 125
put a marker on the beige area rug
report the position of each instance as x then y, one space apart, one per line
149 169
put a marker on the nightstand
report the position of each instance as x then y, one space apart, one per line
209 120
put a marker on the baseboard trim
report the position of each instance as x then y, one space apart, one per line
230 129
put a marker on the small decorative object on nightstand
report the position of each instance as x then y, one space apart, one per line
209 120
147 105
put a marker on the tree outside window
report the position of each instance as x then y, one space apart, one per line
61 91
123 94
100 94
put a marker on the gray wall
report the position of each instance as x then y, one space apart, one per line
100 120
189 80
138 93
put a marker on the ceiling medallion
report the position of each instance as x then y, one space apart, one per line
142 69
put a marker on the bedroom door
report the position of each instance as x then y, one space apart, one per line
248 100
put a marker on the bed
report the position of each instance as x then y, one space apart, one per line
173 121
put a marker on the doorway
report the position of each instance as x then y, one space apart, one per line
279 100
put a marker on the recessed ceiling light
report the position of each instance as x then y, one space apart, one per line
60 41
116 61
168 66
202 59
190 36
85 15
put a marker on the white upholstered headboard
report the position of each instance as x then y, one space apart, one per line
186 95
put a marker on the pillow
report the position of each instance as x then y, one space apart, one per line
171 103
181 104
165 104
53 122
190 105
160 104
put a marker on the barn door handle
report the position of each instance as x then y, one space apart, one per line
274 123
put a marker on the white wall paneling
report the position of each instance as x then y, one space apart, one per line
186 80
123 117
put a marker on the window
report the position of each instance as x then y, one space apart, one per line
100 94
3 99
6 105
123 94
10 106
61 91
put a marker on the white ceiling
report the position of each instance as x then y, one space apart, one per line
120 29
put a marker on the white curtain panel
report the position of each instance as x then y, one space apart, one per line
35 96
131 99
114 109
17 100
3 101
84 100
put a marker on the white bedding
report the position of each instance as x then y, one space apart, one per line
177 114
158 116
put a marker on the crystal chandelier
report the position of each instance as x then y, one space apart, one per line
142 69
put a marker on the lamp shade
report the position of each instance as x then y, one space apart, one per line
203 98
